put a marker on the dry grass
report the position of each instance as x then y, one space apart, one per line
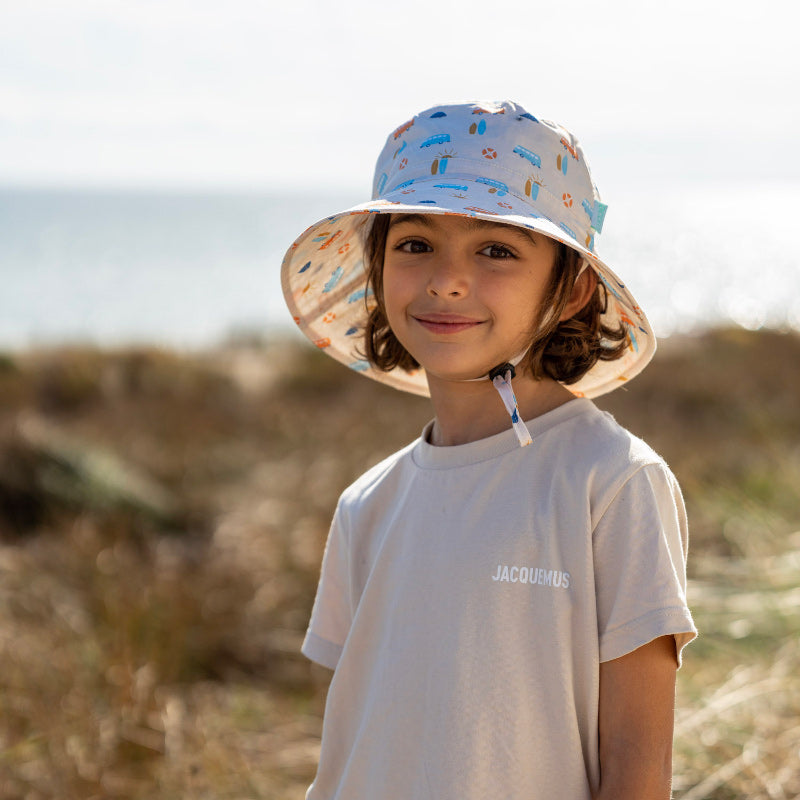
162 520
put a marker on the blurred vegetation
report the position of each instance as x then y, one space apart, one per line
162 520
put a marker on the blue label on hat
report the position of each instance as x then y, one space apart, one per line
599 215
450 186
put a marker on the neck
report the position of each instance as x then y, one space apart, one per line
469 411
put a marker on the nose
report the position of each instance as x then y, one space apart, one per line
448 278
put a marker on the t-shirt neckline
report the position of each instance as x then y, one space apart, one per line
428 456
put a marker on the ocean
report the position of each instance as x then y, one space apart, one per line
190 270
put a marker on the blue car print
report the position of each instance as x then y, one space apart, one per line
610 288
495 186
568 230
523 152
440 138
334 279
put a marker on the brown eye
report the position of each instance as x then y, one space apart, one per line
414 246
497 251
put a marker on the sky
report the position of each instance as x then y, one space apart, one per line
298 95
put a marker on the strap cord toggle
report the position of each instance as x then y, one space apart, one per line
501 377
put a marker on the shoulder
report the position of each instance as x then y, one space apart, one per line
376 480
595 437
604 454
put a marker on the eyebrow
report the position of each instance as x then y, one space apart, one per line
472 224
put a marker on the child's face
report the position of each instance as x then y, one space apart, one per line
462 295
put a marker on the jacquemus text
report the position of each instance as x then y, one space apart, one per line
541 577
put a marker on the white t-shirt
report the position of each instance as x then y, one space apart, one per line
468 595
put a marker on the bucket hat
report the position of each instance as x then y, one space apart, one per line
494 161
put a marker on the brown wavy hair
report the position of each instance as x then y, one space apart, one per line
564 351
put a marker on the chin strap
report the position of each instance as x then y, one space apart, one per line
501 377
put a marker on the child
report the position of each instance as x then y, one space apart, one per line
502 602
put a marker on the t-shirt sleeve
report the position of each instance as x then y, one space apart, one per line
331 615
640 548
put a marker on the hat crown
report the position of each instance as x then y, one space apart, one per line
496 150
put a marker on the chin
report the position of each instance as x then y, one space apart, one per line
456 373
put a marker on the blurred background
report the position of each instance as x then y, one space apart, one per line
162 511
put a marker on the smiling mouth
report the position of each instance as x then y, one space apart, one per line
446 323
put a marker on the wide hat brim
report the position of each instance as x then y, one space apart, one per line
324 283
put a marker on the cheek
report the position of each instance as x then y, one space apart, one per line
395 292
516 303
502 289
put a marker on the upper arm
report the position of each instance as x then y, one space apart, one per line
639 547
636 717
